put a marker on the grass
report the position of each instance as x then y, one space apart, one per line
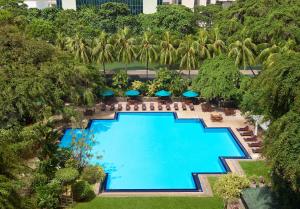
154 202
256 168
131 66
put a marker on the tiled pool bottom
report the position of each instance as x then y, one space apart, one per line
157 151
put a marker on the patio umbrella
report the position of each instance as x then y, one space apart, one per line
107 93
163 93
190 94
132 93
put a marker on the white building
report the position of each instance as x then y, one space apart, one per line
39 4
192 3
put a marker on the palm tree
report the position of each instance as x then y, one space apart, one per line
188 51
103 50
202 44
80 48
268 55
60 41
125 46
148 49
167 50
218 46
243 52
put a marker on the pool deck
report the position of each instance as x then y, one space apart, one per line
232 122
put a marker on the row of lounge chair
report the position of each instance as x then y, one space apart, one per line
119 107
251 140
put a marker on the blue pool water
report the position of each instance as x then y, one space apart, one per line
156 150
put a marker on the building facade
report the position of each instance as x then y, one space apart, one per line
135 6
192 3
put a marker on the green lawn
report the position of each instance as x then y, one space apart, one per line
154 202
256 168
131 66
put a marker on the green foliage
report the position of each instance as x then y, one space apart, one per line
93 174
39 179
42 29
66 175
120 80
139 85
48 195
282 148
275 90
8 196
229 186
218 78
82 191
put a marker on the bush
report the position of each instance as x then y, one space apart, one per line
120 79
39 179
92 174
82 191
139 85
48 195
66 175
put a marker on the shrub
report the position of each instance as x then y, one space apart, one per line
82 191
139 85
92 174
120 79
39 179
66 175
48 195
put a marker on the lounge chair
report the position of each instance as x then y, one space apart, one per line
183 106
257 150
160 107
112 107
152 107
229 111
136 107
247 133
127 107
102 107
216 117
206 107
191 107
246 128
89 111
255 144
250 139
168 107
144 108
176 106
120 107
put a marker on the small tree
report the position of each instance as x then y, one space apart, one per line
120 79
229 187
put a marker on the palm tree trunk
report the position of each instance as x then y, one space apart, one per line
103 64
126 68
147 67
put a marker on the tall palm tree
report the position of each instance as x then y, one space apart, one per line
60 41
188 51
202 44
268 55
168 52
148 49
217 47
243 52
103 50
80 48
125 47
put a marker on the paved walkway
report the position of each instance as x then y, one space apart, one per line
228 121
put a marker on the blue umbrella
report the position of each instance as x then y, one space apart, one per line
132 93
162 93
107 93
190 94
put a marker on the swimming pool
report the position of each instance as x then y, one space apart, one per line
157 151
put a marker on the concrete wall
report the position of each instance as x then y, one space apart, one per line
149 6
69 4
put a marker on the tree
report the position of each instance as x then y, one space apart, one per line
188 51
218 46
243 52
167 49
125 45
148 49
229 187
120 79
80 48
103 50
275 90
42 29
218 78
202 44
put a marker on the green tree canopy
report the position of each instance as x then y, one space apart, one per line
218 78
